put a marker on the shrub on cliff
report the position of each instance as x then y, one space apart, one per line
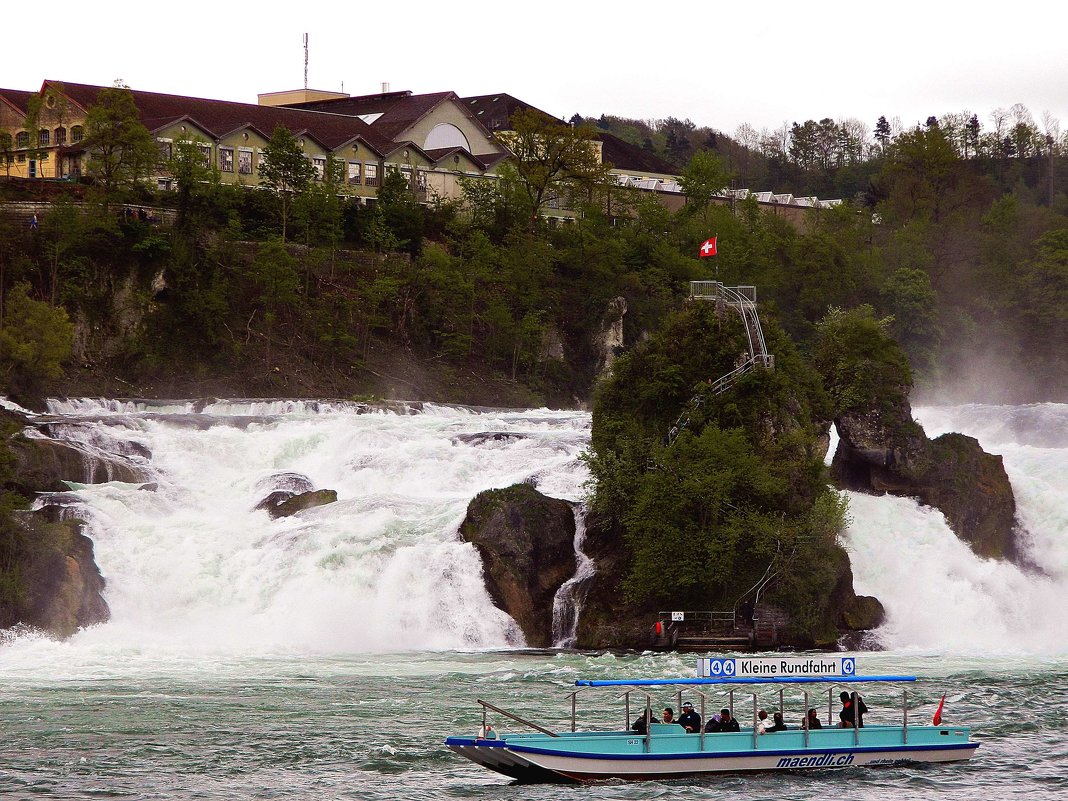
35 338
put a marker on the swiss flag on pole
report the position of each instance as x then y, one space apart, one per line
708 248
937 719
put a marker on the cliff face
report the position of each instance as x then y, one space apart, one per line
66 589
48 577
527 544
607 621
884 451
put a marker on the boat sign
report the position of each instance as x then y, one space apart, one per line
777 667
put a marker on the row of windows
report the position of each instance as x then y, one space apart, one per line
21 158
358 172
46 138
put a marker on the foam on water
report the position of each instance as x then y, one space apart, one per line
195 567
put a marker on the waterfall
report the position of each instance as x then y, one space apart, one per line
567 603
937 593
192 565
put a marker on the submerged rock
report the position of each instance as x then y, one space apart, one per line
298 503
527 544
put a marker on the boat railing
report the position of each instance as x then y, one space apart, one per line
688 685
487 705
728 702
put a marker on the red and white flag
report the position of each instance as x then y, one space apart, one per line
937 719
708 248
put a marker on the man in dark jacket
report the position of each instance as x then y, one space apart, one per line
689 719
853 709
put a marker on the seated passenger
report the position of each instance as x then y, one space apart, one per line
640 724
668 715
812 721
725 723
762 721
778 725
689 719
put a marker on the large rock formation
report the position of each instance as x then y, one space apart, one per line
527 544
48 578
46 465
58 587
884 451
606 620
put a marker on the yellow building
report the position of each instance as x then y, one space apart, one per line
430 139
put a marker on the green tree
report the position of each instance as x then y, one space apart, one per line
121 149
882 132
191 175
908 295
863 368
35 339
702 179
400 211
7 151
552 161
286 171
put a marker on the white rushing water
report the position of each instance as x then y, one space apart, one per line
194 567
938 594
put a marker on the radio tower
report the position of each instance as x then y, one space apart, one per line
305 61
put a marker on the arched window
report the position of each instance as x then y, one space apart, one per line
22 139
61 136
76 133
446 135
43 137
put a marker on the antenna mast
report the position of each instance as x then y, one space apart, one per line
305 61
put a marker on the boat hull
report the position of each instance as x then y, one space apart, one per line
543 759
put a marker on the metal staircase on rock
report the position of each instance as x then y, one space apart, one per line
743 300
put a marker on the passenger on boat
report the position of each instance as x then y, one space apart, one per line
853 711
724 724
762 721
778 725
669 715
812 721
640 724
689 720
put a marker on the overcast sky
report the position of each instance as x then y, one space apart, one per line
718 63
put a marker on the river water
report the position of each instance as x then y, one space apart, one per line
328 655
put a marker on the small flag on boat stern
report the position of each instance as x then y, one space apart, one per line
937 719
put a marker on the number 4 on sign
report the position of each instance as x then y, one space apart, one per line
708 248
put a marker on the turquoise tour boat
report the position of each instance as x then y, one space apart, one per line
667 750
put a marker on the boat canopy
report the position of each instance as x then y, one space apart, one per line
738 680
